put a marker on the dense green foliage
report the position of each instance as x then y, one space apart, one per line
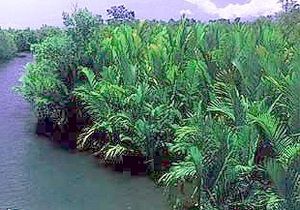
24 38
222 98
13 41
8 46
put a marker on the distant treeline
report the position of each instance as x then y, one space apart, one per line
13 41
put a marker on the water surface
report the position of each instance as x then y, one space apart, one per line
36 175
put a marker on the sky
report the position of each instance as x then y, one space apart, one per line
34 13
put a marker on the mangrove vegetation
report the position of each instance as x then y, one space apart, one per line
210 110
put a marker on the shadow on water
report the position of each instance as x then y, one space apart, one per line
35 175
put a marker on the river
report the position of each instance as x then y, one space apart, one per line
36 175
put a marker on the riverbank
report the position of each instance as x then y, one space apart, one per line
35 174
212 106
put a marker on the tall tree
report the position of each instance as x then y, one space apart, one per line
288 5
120 14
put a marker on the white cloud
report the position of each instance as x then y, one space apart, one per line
185 12
253 8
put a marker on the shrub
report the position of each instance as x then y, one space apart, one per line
221 98
8 46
